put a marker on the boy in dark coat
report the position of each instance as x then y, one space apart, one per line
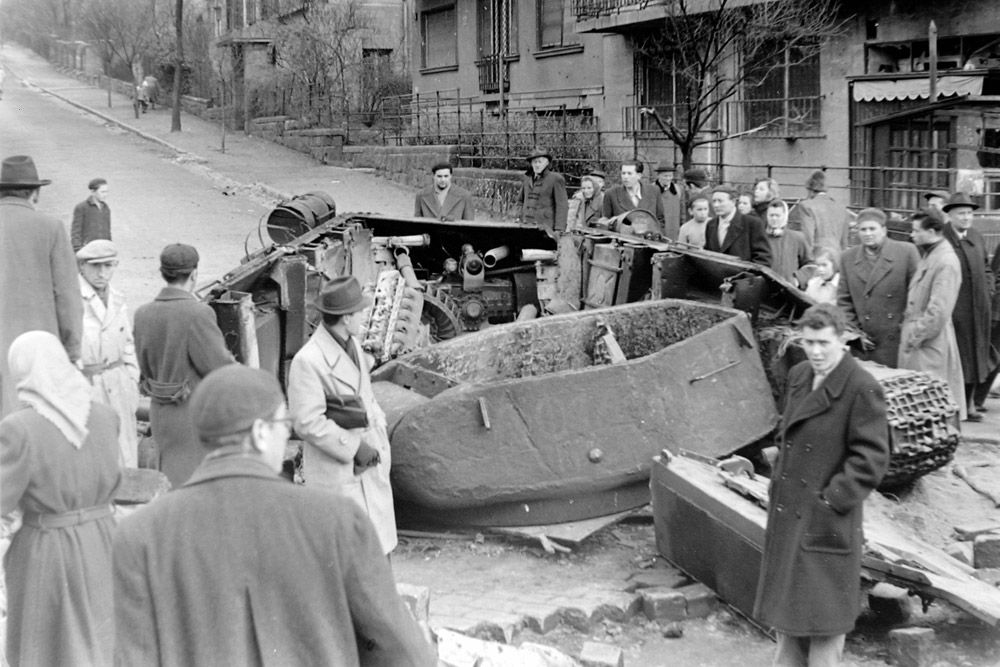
834 450
241 567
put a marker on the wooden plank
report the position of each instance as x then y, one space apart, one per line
571 533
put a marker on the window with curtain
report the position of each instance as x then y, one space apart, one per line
438 40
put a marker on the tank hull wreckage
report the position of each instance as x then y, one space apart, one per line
531 381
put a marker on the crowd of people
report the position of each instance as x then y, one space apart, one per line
212 587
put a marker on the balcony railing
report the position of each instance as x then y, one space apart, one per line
784 117
491 68
589 9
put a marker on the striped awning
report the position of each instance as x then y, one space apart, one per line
916 88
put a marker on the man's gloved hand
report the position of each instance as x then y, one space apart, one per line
366 457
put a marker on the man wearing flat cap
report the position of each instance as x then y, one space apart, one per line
972 313
443 200
108 352
345 444
92 216
543 194
178 342
37 271
874 281
824 222
241 567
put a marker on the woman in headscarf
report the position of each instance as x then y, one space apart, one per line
59 456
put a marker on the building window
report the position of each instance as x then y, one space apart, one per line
658 86
438 38
782 96
497 28
550 24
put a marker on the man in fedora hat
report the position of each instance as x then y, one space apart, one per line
632 193
543 194
241 567
345 443
442 200
108 352
971 315
37 271
178 342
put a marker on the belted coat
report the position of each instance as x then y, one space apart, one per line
320 370
177 342
875 300
834 450
107 339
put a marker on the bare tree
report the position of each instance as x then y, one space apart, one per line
175 116
122 30
322 54
718 48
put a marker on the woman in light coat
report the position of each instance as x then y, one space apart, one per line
351 461
927 339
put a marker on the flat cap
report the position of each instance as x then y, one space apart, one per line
728 189
598 174
179 257
876 214
230 398
97 251
930 194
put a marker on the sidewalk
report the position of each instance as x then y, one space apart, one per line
266 171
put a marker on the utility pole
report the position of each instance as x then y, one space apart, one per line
932 40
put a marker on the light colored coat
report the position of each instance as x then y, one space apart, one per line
321 369
927 340
38 282
107 337
824 222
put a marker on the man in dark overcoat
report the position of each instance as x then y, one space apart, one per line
634 194
982 391
241 567
874 280
38 277
834 450
972 316
733 233
92 216
543 194
442 199
177 342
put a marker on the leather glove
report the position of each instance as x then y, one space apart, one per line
366 457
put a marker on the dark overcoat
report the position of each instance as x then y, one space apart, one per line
971 316
745 239
458 204
177 342
617 201
91 221
875 300
543 200
59 604
38 280
241 567
834 449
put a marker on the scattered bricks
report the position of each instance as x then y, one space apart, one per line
668 578
673 630
494 626
890 604
663 604
986 550
962 551
701 600
596 654
576 618
911 647
417 599
539 618
456 650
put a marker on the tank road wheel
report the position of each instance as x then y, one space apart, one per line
443 323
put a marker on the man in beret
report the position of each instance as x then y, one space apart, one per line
92 217
241 567
874 281
972 313
348 454
734 233
543 194
823 221
37 271
178 342
108 352
442 200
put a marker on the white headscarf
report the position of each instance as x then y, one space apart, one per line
50 384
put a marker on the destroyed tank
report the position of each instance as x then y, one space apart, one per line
477 325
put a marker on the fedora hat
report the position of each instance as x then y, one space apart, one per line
342 296
959 199
539 152
18 171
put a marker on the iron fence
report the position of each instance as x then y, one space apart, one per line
784 117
